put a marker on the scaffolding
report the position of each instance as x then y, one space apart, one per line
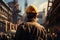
49 4
53 14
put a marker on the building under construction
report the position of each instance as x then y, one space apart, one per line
8 16
53 16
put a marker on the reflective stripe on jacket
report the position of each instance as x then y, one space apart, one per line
30 31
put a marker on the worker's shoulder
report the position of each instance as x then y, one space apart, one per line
39 26
36 24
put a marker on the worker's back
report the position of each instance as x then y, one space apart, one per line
30 31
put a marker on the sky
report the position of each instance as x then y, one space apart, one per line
40 4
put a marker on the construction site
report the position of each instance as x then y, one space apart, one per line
10 18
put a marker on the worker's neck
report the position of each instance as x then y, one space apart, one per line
31 20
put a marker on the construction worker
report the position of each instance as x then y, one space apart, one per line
31 30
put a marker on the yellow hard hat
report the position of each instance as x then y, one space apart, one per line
32 9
